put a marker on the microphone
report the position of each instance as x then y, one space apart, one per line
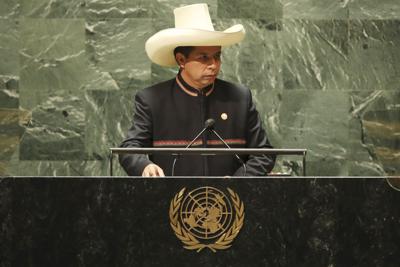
223 141
208 124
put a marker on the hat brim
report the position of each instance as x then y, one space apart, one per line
160 47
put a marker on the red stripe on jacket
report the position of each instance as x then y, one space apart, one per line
197 143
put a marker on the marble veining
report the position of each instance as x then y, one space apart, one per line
323 74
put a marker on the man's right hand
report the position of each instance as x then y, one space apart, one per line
153 170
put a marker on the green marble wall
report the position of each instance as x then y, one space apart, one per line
325 76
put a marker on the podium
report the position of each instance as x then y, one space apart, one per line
120 221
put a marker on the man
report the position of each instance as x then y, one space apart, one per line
172 113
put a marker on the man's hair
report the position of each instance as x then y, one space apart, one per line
185 50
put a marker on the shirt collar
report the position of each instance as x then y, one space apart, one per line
191 90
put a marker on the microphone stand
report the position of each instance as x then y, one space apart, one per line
236 155
208 124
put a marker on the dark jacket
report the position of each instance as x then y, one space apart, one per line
167 116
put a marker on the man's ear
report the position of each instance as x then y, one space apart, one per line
180 59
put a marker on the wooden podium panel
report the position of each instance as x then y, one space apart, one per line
103 221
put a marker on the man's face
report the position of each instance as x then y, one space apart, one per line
201 67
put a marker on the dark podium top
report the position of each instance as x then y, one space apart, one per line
102 221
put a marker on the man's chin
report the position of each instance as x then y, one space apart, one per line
206 84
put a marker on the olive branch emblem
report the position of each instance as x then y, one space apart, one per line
190 241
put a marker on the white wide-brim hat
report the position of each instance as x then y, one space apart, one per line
193 27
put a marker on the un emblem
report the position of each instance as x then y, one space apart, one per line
206 218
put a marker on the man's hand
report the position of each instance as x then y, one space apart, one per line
153 170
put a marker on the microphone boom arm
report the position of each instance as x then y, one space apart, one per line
236 155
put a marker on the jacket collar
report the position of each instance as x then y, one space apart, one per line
191 90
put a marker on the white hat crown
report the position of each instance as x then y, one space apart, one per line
194 16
